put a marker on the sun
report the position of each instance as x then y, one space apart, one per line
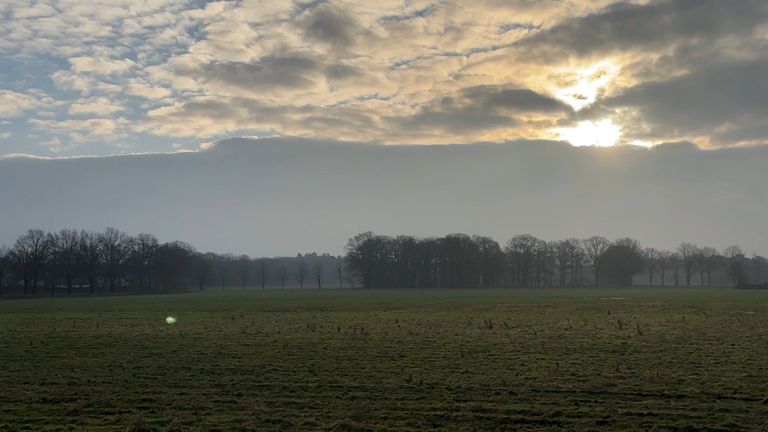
601 133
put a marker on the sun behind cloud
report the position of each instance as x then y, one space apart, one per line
600 133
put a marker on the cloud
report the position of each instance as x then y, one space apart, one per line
513 99
39 10
652 26
330 25
725 103
549 189
79 131
455 121
480 111
142 89
400 72
100 66
66 80
13 104
100 106
268 73
415 14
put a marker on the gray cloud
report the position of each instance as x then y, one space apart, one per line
330 25
732 94
455 121
656 25
514 99
416 14
269 72
281 196
480 108
341 72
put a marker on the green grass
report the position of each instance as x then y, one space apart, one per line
394 360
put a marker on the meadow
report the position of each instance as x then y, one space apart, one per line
453 360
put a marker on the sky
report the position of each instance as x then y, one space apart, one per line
281 196
272 127
98 78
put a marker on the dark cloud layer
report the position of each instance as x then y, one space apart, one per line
513 99
280 196
480 108
652 26
269 72
731 95
330 25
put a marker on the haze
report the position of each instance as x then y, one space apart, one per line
281 196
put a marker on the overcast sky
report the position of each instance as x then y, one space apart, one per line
347 105
126 76
279 196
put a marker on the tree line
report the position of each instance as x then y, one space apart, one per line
111 261
463 261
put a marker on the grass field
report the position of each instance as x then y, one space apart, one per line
388 360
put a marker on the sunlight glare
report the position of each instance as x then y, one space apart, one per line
602 133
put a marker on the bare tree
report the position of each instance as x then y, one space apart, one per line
4 264
115 246
363 253
709 263
66 247
688 253
340 270
318 272
665 262
521 250
735 257
144 248
577 261
651 261
284 276
90 258
562 250
28 255
543 264
758 265
174 266
675 261
244 267
595 247
263 272
491 260
203 268
301 270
